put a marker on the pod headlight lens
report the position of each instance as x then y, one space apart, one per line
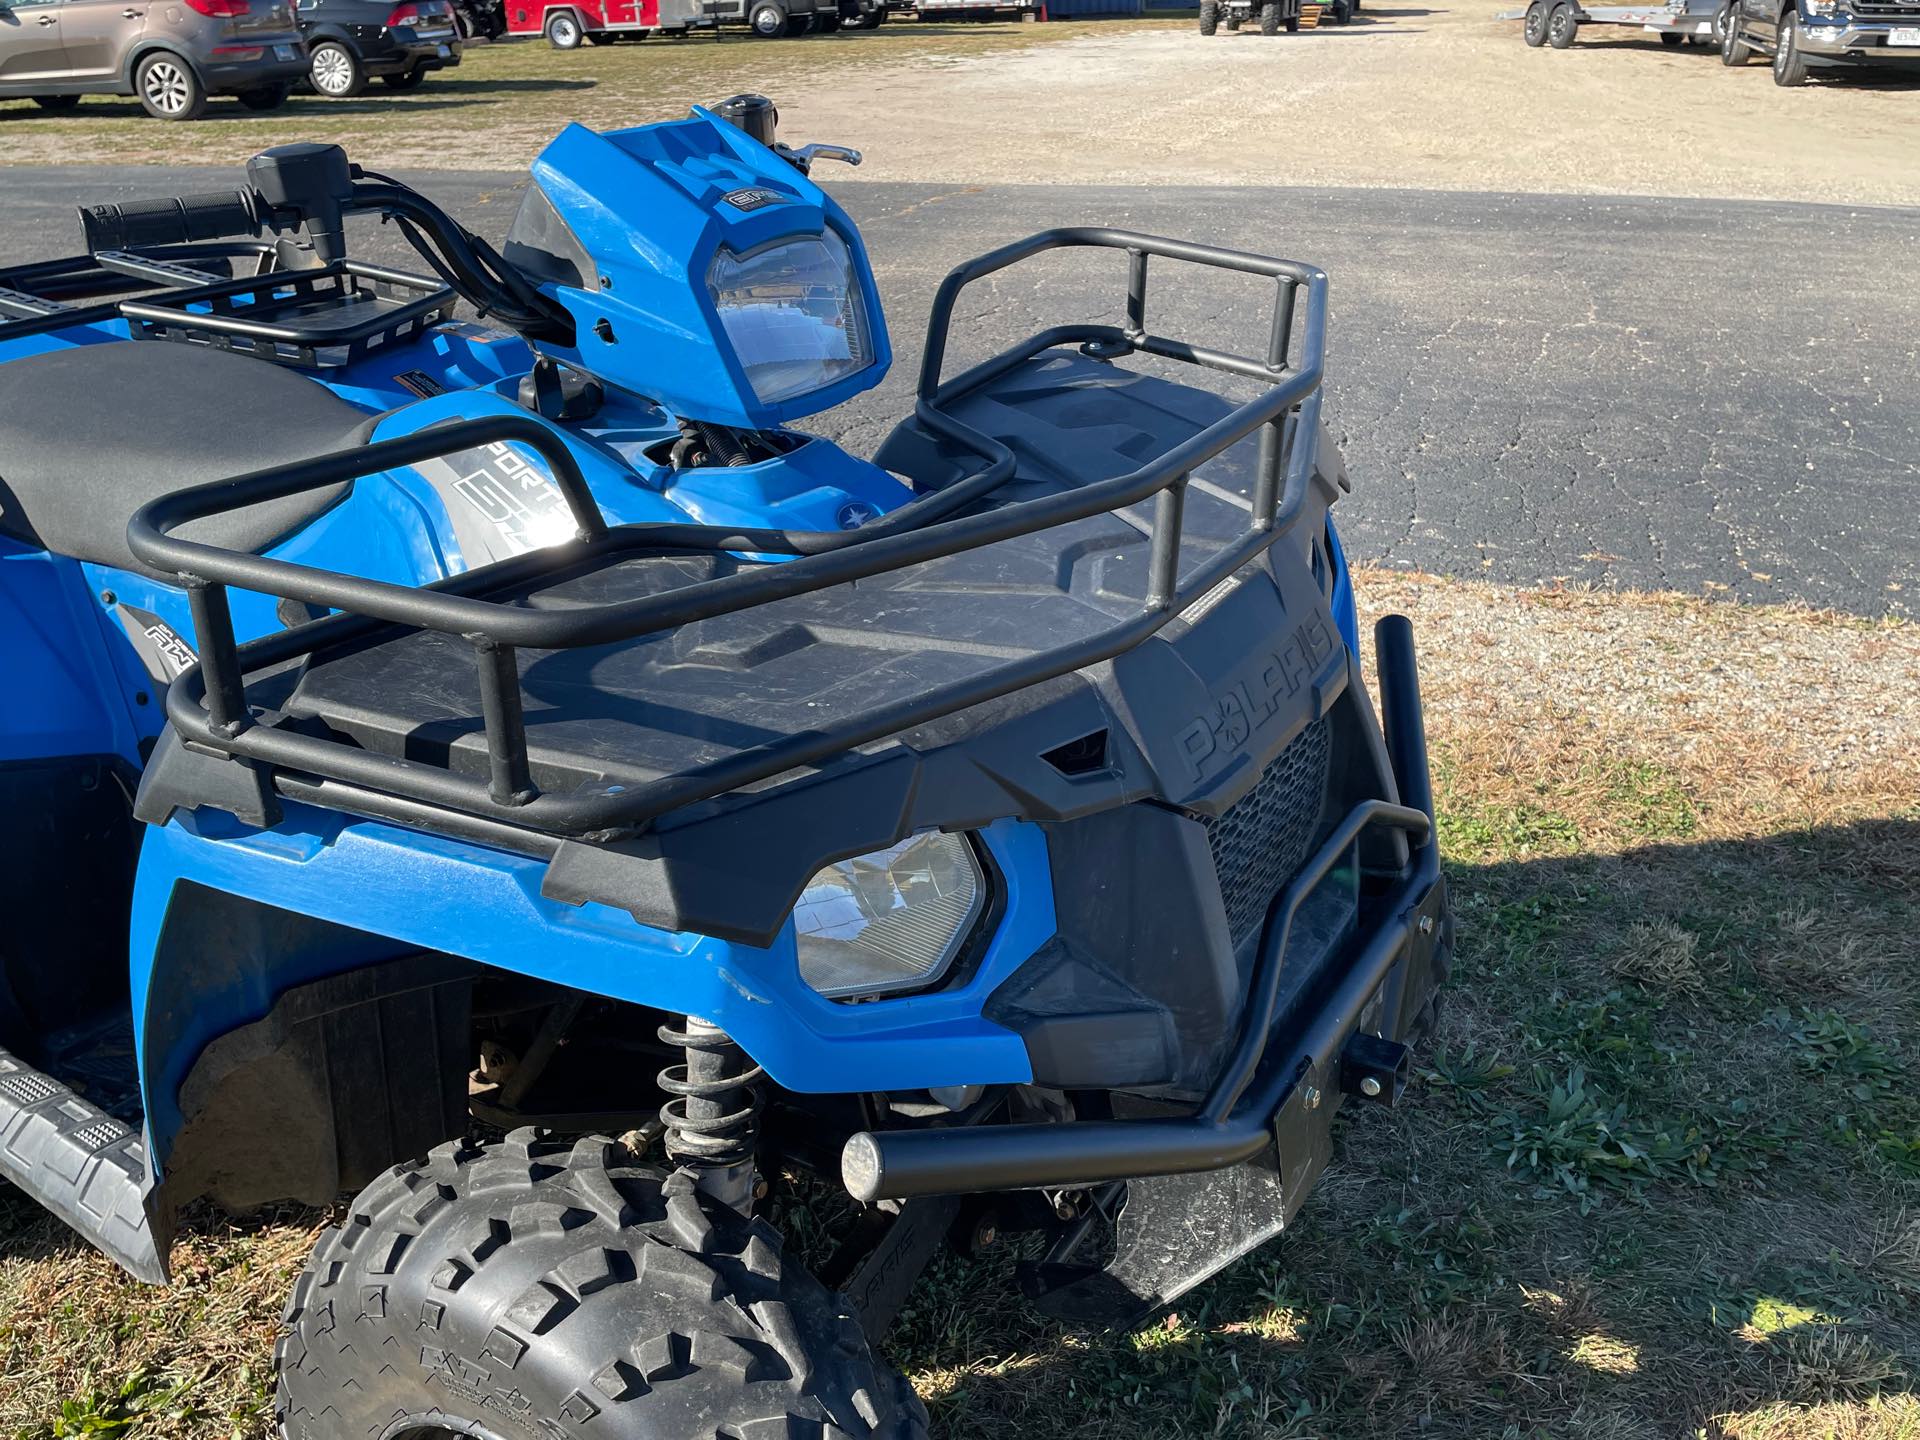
890 921
793 314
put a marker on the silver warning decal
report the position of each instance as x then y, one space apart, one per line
161 650
500 502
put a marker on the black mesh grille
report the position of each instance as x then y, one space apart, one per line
1263 836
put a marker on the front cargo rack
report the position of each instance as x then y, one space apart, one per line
208 705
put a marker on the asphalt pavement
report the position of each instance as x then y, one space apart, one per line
1700 395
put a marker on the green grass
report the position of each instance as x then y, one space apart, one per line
1659 1175
507 99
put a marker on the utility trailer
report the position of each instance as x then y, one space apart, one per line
968 9
568 24
1557 22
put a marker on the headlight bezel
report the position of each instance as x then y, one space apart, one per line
962 953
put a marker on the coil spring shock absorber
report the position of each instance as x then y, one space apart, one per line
711 1121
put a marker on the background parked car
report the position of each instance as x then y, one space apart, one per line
1801 34
172 56
350 42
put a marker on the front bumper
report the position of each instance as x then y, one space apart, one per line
1273 1100
401 51
1857 39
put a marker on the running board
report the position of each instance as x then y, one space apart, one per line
79 1162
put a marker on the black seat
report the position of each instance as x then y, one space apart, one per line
91 433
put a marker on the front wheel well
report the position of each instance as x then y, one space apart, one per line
145 50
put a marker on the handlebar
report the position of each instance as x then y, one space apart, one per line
174 220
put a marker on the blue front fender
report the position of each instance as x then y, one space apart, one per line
400 891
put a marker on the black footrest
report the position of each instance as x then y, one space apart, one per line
79 1162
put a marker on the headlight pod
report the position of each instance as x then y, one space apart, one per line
793 314
890 921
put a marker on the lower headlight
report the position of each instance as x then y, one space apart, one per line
890 921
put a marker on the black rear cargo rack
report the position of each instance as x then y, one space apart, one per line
331 315
208 705
78 290
202 294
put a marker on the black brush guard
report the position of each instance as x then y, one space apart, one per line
208 704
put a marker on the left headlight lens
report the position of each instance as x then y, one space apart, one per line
890 921
793 314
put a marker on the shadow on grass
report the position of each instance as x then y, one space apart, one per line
1719 1229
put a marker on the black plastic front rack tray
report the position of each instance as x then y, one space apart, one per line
209 706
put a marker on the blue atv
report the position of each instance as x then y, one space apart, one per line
508 741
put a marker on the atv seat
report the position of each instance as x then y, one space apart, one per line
90 434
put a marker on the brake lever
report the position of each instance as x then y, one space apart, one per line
802 157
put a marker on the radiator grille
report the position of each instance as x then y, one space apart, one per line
1886 9
1262 838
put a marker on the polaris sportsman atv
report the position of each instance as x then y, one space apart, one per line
428 731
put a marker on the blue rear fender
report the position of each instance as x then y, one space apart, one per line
401 891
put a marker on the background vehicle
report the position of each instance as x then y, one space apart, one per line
542 702
171 56
969 9
350 42
1803 34
1557 22
569 23
480 19
1273 15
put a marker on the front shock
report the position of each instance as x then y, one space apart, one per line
712 1119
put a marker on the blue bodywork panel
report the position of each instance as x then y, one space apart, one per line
653 206
428 892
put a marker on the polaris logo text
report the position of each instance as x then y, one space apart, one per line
1249 703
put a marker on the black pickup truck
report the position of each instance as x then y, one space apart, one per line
1803 34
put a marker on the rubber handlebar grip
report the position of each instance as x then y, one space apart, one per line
175 220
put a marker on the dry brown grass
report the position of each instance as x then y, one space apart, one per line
1685 847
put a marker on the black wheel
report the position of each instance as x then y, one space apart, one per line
769 21
168 88
264 97
1672 41
335 71
1293 25
1339 13
563 30
405 80
559 1286
1562 25
1270 18
57 104
826 24
1789 61
1209 16
1734 49
1533 29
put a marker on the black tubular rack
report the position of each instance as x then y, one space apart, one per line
322 316
208 704
58 294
